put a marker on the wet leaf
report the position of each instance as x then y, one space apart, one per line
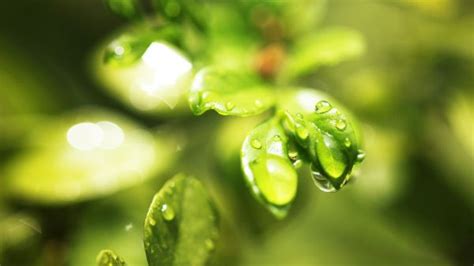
229 92
109 258
181 224
326 47
267 168
124 8
326 131
83 155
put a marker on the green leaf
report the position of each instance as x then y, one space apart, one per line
181 224
327 47
143 69
327 132
124 8
229 92
83 155
109 258
267 168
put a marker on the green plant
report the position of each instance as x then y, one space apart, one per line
305 126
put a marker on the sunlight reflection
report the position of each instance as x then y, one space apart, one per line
87 136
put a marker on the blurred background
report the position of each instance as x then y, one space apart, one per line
63 199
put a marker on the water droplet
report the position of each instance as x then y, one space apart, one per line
209 244
152 221
322 107
341 124
302 132
360 156
293 154
347 142
229 106
322 182
105 260
205 95
167 212
297 164
256 144
258 103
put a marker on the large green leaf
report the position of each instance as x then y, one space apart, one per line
326 47
181 224
109 258
229 92
83 155
267 167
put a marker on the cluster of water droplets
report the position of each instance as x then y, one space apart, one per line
322 181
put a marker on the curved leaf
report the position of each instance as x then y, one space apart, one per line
267 167
109 258
229 92
181 224
327 132
84 155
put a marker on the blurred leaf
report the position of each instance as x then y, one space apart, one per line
365 237
268 169
20 236
144 70
181 224
460 115
84 155
229 92
124 8
383 178
326 47
109 258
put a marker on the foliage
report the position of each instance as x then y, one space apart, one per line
260 102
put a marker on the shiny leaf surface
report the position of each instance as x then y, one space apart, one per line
267 168
229 92
181 224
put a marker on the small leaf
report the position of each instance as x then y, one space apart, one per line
84 155
331 139
229 92
181 224
327 47
267 168
109 258
124 8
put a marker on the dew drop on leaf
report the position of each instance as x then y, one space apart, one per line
302 132
229 106
322 107
167 212
341 124
256 144
322 182
347 142
360 156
